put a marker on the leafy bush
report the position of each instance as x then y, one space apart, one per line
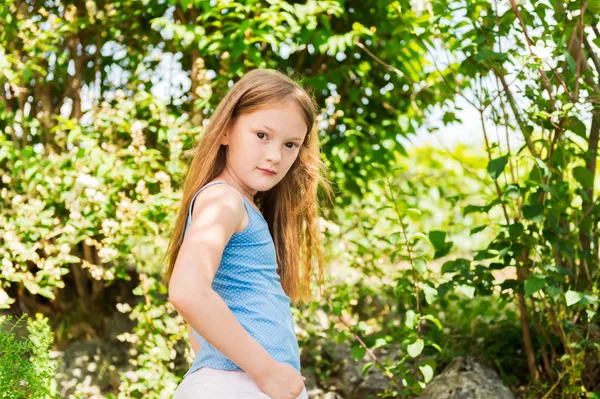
26 369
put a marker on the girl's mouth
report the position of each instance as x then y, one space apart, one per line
267 172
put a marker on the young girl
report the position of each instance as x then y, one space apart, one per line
244 241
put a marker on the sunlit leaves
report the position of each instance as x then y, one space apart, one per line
575 297
442 247
416 348
583 176
533 285
496 166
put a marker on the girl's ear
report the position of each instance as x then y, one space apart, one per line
225 138
226 134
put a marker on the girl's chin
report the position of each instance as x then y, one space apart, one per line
265 184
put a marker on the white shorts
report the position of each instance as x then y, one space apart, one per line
209 383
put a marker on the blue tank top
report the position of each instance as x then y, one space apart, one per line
248 282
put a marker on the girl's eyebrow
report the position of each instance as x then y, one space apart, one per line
273 131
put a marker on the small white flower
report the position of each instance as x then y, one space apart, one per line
418 6
107 254
138 126
542 51
162 176
418 30
99 197
96 272
109 225
123 307
88 181
7 270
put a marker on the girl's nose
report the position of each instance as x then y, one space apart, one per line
274 155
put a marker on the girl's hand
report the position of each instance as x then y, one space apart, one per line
281 381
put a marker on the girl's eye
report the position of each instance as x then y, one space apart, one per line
293 144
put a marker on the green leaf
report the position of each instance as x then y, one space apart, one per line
477 229
570 61
590 314
467 290
455 265
577 127
543 167
427 371
379 342
588 300
414 211
366 368
583 176
419 236
573 297
416 348
515 230
430 294
360 28
554 292
535 213
511 191
358 352
533 285
483 55
420 265
496 166
410 319
437 238
433 319
475 208
337 308
71 259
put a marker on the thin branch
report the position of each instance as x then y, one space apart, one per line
520 122
529 44
387 66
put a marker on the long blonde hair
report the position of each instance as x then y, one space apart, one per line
291 207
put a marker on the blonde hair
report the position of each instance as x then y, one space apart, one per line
291 207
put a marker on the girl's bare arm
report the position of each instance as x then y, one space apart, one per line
218 213
193 341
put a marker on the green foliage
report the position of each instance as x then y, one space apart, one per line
157 333
89 189
26 369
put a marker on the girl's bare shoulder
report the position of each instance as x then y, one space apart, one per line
219 204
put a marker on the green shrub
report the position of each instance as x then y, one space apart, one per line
26 370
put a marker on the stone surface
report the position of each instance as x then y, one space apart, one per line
466 378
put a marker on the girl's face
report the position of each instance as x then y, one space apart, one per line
265 140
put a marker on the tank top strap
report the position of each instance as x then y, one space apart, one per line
251 209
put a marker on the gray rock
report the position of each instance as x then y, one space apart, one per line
466 378
318 393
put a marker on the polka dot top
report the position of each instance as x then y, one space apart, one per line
248 282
